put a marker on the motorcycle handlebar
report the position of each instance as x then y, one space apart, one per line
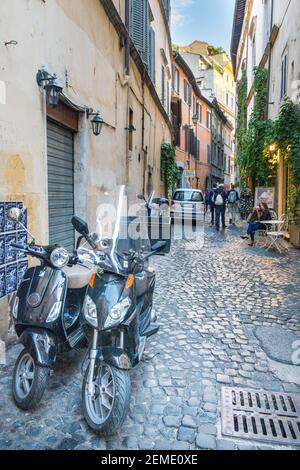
19 246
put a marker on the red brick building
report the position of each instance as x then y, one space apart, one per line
192 118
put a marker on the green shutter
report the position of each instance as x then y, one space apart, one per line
151 54
139 27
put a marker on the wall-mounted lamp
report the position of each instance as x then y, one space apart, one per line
51 88
97 121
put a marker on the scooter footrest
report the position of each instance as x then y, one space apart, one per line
151 330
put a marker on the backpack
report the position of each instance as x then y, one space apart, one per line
218 199
232 197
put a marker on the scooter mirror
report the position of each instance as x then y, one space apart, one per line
94 237
14 214
80 226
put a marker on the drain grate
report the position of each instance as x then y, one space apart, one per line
261 415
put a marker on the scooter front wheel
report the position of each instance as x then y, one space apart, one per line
106 408
29 381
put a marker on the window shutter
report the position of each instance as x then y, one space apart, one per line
139 26
191 142
168 97
186 134
185 92
163 91
173 76
167 7
151 52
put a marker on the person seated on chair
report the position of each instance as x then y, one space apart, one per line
262 213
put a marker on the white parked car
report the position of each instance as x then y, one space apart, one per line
187 205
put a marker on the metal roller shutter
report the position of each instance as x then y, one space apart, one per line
60 185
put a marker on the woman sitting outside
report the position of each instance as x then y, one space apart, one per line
261 214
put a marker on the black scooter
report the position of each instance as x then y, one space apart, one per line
118 315
46 313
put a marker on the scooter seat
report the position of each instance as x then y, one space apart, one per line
78 276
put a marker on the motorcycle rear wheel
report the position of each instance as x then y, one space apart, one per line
106 411
29 381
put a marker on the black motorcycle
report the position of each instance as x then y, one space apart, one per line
46 313
117 312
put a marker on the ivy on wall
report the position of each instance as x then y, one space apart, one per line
286 137
255 166
241 128
170 172
257 160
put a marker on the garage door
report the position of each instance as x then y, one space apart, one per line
60 185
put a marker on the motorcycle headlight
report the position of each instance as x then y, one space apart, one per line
90 311
117 313
54 312
59 257
15 307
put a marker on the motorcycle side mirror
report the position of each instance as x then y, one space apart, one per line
158 246
14 214
80 226
94 237
141 197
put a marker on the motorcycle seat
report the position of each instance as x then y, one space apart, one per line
78 276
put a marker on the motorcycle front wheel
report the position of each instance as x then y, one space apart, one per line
29 381
106 410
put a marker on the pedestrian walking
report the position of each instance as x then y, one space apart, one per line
219 199
211 203
206 200
233 199
262 213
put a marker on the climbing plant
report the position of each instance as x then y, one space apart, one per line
286 138
254 138
170 172
241 128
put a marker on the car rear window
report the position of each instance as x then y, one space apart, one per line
188 196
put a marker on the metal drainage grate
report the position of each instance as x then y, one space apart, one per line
261 415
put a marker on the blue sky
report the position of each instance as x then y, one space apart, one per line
205 20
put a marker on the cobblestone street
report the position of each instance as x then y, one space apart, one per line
213 306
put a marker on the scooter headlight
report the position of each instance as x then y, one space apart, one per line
90 311
59 257
54 312
15 307
117 313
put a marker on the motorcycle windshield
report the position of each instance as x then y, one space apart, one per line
122 227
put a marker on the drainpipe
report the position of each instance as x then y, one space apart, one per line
127 42
145 163
127 72
270 61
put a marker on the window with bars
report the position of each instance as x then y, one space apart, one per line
151 55
208 120
208 153
175 79
284 73
163 85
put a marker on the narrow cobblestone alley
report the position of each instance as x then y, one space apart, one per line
213 306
